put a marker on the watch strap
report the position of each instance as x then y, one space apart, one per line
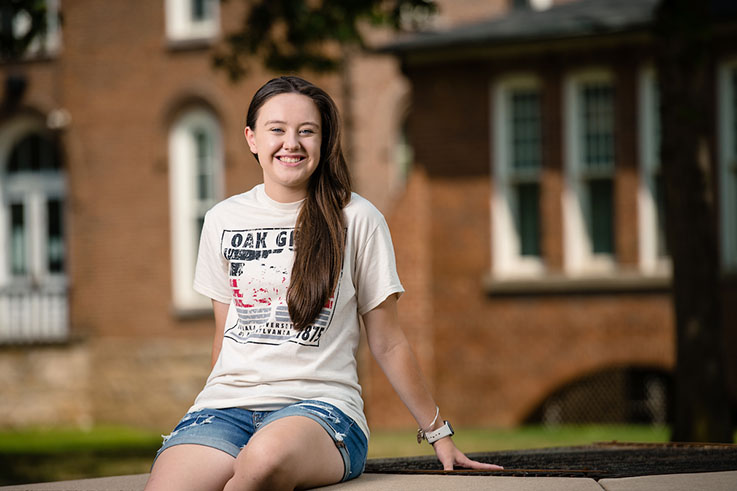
442 432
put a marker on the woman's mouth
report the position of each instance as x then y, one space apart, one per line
290 159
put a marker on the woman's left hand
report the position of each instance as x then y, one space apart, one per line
449 455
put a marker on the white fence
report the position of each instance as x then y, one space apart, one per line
33 316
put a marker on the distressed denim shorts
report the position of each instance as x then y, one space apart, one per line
230 430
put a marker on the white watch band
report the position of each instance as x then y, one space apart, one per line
442 432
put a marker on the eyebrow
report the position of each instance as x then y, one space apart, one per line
277 121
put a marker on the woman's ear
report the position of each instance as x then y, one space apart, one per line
250 139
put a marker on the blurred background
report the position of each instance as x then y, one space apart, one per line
564 215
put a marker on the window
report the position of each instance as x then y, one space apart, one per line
34 194
192 20
728 164
196 166
517 150
589 193
651 198
33 299
49 42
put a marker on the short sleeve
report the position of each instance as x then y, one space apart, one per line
376 269
211 272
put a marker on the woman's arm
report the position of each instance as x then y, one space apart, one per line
221 313
392 352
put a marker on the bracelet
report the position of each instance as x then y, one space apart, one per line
421 432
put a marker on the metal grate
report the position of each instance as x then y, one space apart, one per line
598 461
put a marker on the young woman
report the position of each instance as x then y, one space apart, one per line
291 266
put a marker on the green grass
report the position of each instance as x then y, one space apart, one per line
58 440
55 454
403 443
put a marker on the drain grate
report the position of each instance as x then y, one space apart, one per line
598 461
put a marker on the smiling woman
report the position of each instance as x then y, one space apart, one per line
291 266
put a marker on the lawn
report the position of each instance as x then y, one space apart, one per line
52 454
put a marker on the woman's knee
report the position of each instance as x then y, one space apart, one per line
266 464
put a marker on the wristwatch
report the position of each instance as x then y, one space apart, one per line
442 432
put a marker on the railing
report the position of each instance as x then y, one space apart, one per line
33 315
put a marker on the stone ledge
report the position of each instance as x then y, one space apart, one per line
713 481
558 284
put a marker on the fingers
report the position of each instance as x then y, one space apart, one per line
483 466
473 464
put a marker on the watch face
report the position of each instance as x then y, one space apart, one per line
450 428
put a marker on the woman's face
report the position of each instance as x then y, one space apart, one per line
287 140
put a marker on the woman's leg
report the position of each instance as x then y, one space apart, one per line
291 452
191 468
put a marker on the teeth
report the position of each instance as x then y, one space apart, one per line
290 160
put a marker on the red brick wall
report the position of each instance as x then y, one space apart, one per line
496 358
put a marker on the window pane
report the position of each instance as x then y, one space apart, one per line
601 215
55 240
204 165
200 10
528 218
33 153
597 118
525 130
18 240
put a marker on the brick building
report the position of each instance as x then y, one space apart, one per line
540 263
116 135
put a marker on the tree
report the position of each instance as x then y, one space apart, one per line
684 38
291 35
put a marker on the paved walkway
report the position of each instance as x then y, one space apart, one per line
711 481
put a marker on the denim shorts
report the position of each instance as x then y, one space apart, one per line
230 430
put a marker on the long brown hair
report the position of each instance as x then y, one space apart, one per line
319 241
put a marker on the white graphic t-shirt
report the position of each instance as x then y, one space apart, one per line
245 259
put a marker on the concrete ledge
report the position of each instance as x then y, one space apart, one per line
118 483
396 482
713 481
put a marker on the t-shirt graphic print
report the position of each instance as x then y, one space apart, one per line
260 261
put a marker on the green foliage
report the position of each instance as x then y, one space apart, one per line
290 35
21 21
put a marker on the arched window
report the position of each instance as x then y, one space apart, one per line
195 173
33 303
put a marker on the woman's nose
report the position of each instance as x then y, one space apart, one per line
291 142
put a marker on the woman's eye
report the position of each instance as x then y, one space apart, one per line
276 130
307 132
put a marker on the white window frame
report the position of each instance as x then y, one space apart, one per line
33 191
507 260
33 306
180 26
726 96
185 207
650 261
579 258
